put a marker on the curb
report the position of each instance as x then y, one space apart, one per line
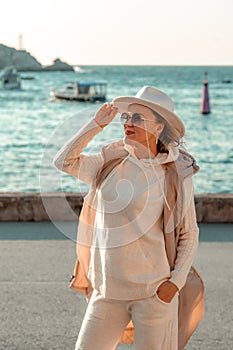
30 206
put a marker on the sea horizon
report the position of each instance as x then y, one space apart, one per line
34 126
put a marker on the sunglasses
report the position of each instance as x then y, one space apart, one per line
136 118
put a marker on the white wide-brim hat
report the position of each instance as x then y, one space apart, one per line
156 100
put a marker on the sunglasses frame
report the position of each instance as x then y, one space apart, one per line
130 116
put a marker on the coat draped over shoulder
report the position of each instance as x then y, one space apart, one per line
191 296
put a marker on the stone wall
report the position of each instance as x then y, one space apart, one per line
58 206
214 207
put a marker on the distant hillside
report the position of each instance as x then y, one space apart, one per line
20 59
24 61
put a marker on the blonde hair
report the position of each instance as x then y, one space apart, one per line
168 135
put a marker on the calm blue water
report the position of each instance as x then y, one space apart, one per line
33 127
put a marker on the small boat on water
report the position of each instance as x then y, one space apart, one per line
10 79
226 81
82 91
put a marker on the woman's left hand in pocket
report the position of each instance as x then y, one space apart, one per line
166 291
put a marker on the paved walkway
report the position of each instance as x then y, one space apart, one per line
39 312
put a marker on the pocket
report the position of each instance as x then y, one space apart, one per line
158 298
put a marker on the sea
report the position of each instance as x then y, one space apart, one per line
34 126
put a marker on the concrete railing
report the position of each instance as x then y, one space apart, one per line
58 206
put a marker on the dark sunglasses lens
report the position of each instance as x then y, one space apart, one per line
136 119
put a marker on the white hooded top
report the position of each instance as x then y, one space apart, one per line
128 257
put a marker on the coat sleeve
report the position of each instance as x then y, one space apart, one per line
188 239
71 160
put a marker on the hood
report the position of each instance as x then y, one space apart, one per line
184 161
161 158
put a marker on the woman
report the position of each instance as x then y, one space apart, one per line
121 240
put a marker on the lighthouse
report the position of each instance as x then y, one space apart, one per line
20 42
205 104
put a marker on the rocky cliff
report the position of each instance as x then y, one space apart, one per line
24 61
58 65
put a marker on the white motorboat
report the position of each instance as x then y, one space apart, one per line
10 79
82 91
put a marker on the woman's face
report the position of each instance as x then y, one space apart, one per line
146 130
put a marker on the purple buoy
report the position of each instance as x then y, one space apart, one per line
205 104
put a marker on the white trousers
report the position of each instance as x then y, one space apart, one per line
155 323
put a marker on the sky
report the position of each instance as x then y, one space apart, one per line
124 32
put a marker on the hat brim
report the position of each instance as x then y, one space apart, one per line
122 103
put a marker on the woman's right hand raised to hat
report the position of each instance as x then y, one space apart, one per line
105 114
